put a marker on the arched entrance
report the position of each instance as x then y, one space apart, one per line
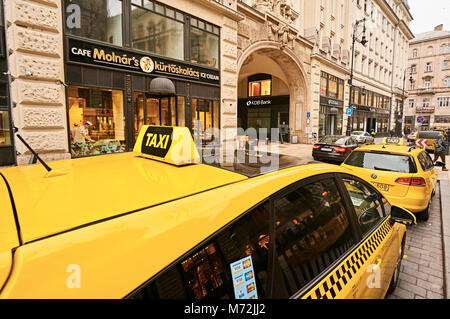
272 90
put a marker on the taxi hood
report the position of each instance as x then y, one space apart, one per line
100 187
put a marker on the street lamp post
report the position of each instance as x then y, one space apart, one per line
350 81
399 113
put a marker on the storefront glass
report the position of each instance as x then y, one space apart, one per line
95 19
157 34
205 118
259 88
5 134
97 121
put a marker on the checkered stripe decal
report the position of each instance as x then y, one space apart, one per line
330 287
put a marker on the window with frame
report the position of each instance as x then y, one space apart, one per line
443 101
428 67
207 274
445 65
312 230
426 102
99 20
414 53
157 32
447 82
413 68
259 85
204 43
366 202
427 84
411 103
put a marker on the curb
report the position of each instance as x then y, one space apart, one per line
444 188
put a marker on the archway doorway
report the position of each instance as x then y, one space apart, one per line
272 91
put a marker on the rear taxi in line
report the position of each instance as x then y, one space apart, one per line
428 138
405 175
158 223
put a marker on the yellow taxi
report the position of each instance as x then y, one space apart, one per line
159 223
405 175
427 139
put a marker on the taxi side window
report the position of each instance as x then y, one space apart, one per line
312 230
368 209
425 161
207 273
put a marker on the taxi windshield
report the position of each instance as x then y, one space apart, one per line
382 162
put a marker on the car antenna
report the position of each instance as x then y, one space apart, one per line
50 171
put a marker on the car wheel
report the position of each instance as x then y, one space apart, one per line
426 213
315 158
396 274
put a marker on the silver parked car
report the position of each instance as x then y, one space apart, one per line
363 137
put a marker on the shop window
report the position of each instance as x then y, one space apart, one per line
312 231
368 208
204 47
238 254
157 34
99 20
5 133
181 120
332 87
323 84
205 119
97 122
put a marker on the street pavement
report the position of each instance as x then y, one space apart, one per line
425 272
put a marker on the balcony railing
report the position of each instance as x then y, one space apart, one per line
425 109
426 91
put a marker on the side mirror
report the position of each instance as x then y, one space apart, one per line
403 216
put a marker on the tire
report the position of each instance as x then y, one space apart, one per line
425 214
396 274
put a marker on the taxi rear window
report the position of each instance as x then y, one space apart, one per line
382 161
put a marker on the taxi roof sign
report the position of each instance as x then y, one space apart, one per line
169 144
393 141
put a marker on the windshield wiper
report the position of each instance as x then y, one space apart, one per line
383 169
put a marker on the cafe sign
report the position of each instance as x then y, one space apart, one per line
94 54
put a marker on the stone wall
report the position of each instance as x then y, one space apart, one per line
36 64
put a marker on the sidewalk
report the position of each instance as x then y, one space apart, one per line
444 186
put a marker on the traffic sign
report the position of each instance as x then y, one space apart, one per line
420 119
349 111
422 142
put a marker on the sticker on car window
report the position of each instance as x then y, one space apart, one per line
244 283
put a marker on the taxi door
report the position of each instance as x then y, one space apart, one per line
378 250
8 232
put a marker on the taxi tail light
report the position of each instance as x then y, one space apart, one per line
411 181
340 149
316 147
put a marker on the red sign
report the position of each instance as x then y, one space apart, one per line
422 142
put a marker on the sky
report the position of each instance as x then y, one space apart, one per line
429 13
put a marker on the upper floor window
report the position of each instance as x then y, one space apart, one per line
99 20
445 66
204 43
443 101
427 84
413 68
443 48
412 85
259 85
428 67
414 53
447 82
426 102
411 103
156 33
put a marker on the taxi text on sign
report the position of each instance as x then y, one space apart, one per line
173 145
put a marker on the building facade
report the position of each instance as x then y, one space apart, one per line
86 75
428 104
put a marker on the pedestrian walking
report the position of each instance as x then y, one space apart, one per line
439 152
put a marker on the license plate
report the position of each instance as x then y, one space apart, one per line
326 149
383 187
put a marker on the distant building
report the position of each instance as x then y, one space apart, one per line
429 92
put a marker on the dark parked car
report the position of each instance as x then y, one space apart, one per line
334 148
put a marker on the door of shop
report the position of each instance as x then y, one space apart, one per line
153 110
